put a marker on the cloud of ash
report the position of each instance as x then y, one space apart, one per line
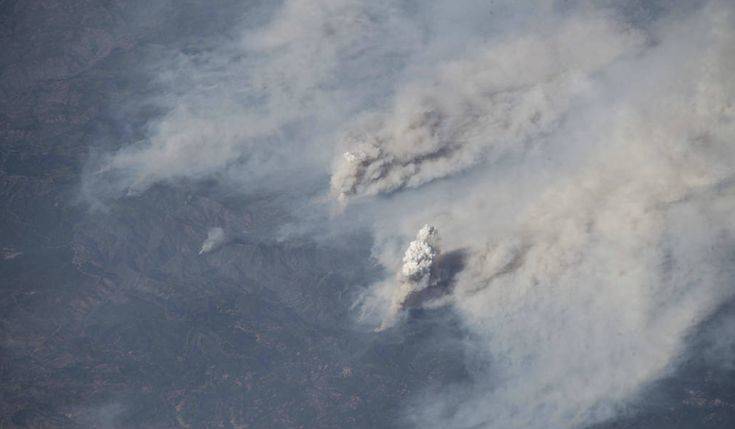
215 238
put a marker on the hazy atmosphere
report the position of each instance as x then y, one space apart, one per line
367 214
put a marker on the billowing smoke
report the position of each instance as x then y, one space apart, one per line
215 238
596 245
231 111
506 96
416 272
580 154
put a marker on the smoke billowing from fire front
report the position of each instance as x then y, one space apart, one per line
580 154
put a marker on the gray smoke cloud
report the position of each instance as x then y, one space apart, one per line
593 255
581 155
238 108
506 96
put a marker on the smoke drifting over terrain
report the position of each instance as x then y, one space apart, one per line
215 238
506 97
582 155
237 111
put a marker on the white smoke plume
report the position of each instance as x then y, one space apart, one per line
415 273
215 238
506 96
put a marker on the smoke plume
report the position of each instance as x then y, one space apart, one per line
595 244
215 238
416 272
580 155
506 96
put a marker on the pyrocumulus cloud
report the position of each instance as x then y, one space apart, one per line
415 273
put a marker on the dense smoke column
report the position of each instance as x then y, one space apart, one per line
415 274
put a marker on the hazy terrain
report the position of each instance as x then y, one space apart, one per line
182 243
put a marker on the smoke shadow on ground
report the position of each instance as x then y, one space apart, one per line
444 274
